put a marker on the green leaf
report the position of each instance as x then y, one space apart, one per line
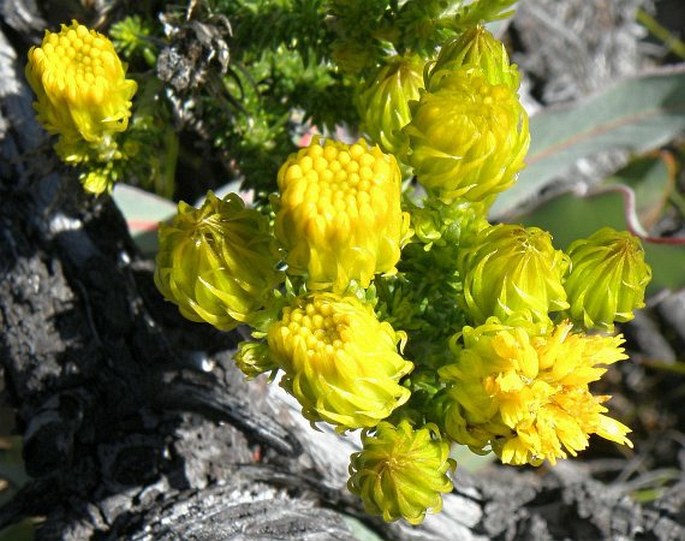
638 115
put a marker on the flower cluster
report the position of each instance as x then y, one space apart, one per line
411 317
82 94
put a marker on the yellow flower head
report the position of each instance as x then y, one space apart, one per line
339 214
608 278
81 85
339 360
401 471
218 262
467 138
384 101
474 49
525 393
509 269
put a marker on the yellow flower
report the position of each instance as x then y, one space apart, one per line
401 471
608 278
508 269
339 360
339 214
384 101
525 393
80 84
218 262
467 138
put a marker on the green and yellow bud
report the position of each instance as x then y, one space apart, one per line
339 214
467 139
511 270
340 362
475 49
401 471
383 103
81 88
524 392
253 358
218 262
608 278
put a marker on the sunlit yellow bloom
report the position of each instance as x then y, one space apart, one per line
218 262
474 49
339 360
384 101
509 269
401 471
525 393
468 138
608 278
339 214
80 84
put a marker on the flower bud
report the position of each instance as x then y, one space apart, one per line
524 392
509 269
474 49
339 214
401 472
253 359
80 84
340 361
218 262
608 278
467 139
384 101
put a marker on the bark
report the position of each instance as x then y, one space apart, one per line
136 424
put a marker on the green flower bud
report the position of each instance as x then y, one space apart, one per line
608 278
469 138
218 262
475 48
383 103
509 269
401 471
253 359
340 362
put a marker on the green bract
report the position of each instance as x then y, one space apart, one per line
401 471
384 101
218 262
475 49
608 278
508 269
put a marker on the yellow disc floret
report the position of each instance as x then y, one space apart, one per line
80 84
339 213
525 393
339 360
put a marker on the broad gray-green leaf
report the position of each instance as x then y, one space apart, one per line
637 115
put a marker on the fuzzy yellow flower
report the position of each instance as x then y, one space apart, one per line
339 215
525 393
608 278
401 472
510 269
81 86
467 138
339 360
218 262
